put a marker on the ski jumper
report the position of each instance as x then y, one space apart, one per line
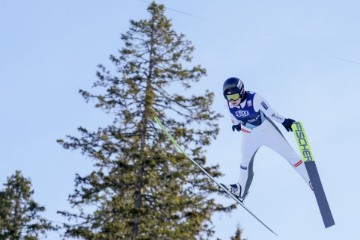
258 129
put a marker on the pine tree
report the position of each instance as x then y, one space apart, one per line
19 213
237 234
141 187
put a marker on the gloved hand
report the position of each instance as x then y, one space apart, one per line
287 124
236 127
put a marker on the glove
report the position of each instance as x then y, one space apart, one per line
236 127
287 124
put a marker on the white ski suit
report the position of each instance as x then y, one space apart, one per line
258 129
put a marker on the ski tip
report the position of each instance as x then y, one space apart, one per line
330 222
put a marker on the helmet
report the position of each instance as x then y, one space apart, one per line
233 85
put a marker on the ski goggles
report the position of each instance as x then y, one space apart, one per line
233 97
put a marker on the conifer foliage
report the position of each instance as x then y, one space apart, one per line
238 234
141 188
19 213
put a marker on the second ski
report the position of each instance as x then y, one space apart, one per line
207 174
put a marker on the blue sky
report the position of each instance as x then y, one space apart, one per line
302 56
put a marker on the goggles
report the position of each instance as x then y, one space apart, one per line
233 97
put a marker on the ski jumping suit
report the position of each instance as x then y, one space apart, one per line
258 129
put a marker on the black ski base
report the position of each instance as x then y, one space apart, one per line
319 194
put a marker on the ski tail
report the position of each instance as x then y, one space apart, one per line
308 158
207 174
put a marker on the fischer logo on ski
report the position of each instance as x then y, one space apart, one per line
238 201
306 153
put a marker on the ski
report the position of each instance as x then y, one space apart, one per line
306 153
207 174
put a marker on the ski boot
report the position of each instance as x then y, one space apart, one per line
234 189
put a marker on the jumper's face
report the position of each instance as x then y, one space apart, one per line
234 99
